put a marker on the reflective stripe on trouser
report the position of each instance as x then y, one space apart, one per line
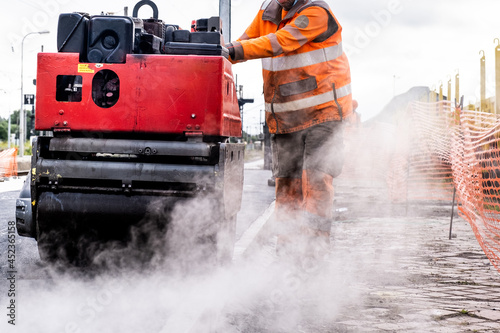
304 202
289 202
318 193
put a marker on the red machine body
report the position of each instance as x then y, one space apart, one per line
141 118
175 94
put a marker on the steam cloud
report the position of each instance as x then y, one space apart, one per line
177 293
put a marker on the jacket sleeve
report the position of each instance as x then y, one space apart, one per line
304 28
253 30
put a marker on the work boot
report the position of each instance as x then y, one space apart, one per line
283 246
314 255
287 246
317 245
292 248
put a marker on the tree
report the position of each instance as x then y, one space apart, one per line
3 129
14 121
14 127
14 117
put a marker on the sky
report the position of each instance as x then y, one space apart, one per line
392 45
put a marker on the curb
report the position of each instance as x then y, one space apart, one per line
255 235
23 164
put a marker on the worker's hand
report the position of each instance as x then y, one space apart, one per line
235 52
230 48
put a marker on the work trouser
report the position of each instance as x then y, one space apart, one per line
304 165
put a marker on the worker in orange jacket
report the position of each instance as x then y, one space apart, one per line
307 91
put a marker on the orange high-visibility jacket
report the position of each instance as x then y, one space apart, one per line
306 73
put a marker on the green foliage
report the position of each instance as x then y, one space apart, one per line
14 128
27 147
3 129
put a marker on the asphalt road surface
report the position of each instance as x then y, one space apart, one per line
391 268
26 257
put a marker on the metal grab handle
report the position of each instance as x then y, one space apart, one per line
145 2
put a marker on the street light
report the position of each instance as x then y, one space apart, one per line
22 121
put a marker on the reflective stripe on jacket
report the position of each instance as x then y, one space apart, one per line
306 72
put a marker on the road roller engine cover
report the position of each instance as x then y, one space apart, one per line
138 116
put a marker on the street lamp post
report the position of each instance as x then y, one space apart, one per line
22 121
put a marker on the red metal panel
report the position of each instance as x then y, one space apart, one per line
158 94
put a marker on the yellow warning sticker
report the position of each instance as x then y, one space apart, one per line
84 68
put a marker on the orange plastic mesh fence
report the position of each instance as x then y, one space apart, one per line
8 163
425 152
475 160
421 164
443 147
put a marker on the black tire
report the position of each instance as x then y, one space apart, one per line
61 247
60 242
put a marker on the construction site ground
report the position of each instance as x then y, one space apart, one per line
391 268
406 273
